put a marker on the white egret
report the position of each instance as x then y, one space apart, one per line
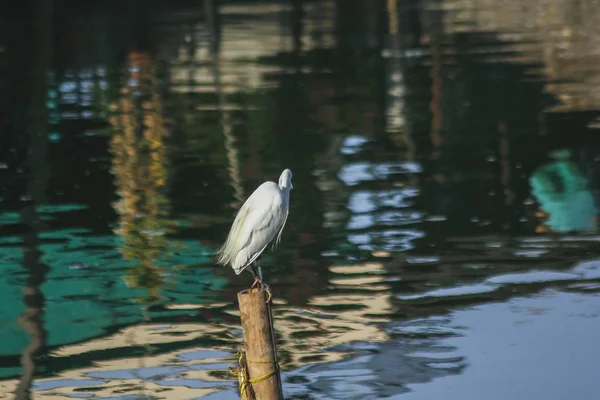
259 222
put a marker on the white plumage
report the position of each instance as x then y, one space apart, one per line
259 221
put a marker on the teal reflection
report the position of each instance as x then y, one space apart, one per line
86 293
564 194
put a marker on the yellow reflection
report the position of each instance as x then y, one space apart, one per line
367 282
351 311
140 169
130 381
146 335
353 317
384 254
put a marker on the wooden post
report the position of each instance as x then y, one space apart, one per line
259 339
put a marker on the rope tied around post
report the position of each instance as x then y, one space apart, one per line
241 372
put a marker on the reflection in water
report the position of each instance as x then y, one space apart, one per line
32 318
561 34
563 192
233 156
139 165
414 130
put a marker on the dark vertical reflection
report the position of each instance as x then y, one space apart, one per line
295 134
5 139
32 319
297 27
225 118
34 126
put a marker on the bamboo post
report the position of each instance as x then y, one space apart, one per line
259 339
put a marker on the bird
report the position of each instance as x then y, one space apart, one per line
259 221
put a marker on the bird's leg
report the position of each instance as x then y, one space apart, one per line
256 272
263 285
258 267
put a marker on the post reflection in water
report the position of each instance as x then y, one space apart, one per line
32 318
442 236
140 167
35 128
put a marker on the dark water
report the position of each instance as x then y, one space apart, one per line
442 240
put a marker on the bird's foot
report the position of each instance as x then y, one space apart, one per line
267 289
258 284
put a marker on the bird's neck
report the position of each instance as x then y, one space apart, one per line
286 193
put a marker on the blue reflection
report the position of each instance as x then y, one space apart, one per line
363 171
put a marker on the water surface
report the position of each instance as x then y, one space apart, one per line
442 237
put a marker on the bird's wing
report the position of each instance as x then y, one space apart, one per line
236 238
261 225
